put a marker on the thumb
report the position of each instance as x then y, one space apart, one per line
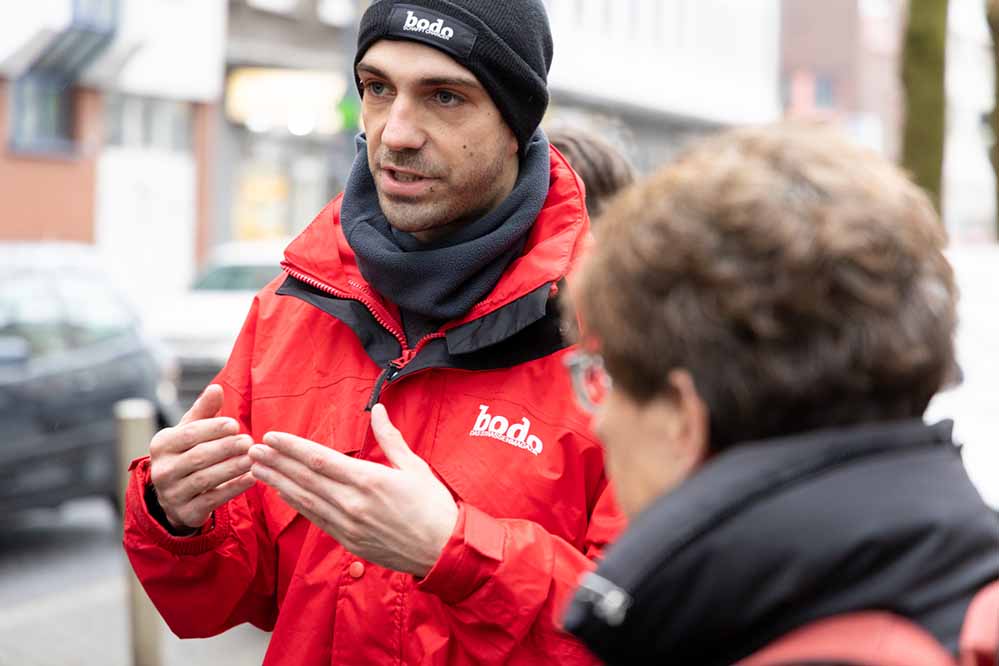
390 439
208 404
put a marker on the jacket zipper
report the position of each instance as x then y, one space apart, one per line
390 371
395 366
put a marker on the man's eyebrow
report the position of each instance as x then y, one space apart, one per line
370 69
460 81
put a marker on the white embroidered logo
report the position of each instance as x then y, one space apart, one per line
416 24
498 427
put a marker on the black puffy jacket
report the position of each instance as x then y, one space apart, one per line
772 535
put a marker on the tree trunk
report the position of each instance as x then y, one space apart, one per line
923 61
992 12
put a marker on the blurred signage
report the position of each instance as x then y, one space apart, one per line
286 101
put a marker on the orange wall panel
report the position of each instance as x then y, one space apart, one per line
50 198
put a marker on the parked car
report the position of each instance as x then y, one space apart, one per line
70 348
974 402
200 326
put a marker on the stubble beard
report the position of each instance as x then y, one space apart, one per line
449 204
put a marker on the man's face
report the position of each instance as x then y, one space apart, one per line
440 152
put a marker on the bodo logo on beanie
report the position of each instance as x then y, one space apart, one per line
425 25
416 24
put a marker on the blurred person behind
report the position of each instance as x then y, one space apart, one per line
765 322
604 169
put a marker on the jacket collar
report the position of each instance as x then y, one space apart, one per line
771 535
321 252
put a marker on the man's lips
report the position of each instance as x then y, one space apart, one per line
403 182
404 174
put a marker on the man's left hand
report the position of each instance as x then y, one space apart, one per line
399 517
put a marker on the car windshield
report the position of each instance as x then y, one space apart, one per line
235 278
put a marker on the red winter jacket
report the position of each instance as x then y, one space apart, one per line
486 402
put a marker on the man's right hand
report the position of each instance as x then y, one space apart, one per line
199 464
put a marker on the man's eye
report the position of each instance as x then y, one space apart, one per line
447 98
376 88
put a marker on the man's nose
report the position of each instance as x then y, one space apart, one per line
402 129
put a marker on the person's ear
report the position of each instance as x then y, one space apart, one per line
693 426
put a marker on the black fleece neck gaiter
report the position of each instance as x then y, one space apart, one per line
441 281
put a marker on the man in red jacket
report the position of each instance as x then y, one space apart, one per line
287 498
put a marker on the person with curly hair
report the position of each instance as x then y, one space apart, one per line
764 322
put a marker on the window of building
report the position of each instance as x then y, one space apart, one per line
43 98
146 122
825 92
42 114
96 12
634 21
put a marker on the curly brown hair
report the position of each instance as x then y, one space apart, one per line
799 278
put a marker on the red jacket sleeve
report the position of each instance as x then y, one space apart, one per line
206 584
226 575
507 582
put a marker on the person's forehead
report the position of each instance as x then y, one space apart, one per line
406 60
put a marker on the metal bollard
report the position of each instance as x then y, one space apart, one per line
136 423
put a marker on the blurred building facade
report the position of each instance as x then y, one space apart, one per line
288 116
648 74
157 129
655 74
107 114
840 63
969 205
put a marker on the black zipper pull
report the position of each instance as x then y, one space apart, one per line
389 373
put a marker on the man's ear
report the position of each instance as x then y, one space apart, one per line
512 147
693 429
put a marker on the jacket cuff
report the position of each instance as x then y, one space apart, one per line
470 557
138 513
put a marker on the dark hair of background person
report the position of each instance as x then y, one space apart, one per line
604 169
799 278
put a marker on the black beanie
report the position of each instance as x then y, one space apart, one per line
507 44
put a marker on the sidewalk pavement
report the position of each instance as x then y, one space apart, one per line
88 626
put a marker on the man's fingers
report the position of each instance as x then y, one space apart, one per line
216 497
329 517
208 404
185 437
390 439
308 476
318 458
208 479
209 453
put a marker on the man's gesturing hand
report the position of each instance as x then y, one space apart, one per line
200 463
399 517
